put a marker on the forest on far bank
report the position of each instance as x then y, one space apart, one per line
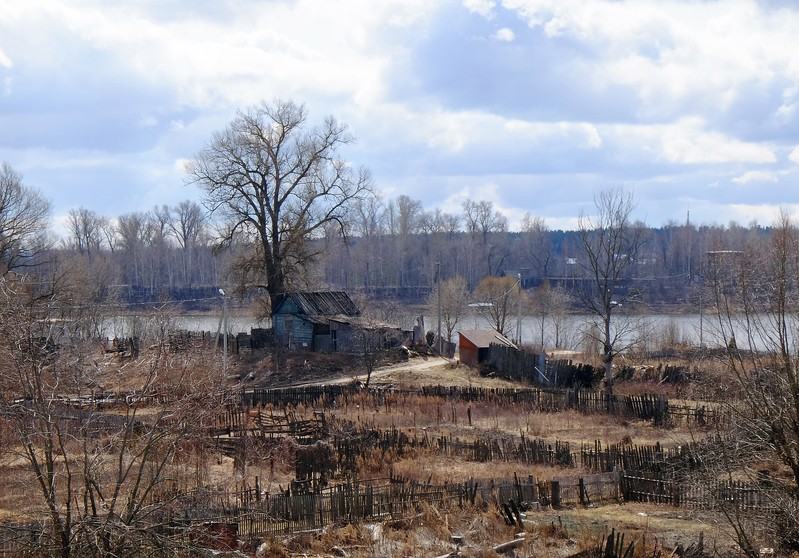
395 250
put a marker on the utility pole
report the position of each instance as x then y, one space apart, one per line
438 286
224 333
519 314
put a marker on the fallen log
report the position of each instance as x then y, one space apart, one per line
508 546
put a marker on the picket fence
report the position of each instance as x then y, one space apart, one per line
655 408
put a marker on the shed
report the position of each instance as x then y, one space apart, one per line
474 344
315 321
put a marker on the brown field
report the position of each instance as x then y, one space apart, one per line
655 529
549 532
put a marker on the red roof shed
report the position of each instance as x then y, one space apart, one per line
474 344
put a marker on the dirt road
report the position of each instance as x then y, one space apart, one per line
431 370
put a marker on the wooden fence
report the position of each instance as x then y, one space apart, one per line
253 514
513 364
655 408
351 443
398 498
685 493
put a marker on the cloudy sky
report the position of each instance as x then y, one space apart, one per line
533 105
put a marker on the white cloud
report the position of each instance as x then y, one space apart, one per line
483 7
711 147
505 34
756 176
256 51
744 214
689 142
673 52
629 92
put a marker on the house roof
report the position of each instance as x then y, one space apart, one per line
482 338
368 324
325 303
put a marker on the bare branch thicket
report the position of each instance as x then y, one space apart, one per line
754 291
96 481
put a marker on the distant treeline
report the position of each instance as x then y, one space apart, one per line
169 254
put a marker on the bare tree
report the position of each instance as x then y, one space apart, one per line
497 299
453 303
481 219
131 232
610 243
23 222
405 216
488 230
438 222
276 183
87 231
537 246
369 218
404 219
549 305
187 224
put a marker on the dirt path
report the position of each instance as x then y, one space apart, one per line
431 370
418 371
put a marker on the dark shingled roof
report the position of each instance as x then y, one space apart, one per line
327 303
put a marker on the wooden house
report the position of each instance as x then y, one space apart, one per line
326 321
474 344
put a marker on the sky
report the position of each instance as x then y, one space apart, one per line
533 105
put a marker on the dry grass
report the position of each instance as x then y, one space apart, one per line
550 532
420 416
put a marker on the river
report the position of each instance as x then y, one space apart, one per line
653 331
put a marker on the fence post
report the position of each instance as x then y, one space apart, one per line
555 494
581 485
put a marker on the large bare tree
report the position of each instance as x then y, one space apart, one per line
24 217
277 182
611 243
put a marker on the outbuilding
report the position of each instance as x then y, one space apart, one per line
328 321
474 344
313 321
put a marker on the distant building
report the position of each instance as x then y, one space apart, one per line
474 344
327 321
